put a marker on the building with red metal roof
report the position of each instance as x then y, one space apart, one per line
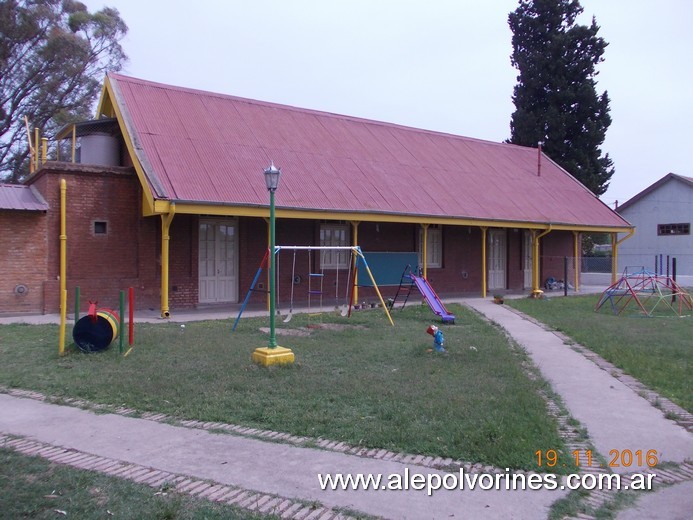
482 216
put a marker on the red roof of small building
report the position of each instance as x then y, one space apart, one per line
18 197
207 148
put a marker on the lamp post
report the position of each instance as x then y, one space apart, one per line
272 354
272 174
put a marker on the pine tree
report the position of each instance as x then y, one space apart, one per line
555 98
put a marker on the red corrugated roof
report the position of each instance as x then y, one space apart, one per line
202 147
15 196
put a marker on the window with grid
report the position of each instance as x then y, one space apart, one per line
334 235
435 246
674 229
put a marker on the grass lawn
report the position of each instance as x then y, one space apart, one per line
369 384
656 351
33 487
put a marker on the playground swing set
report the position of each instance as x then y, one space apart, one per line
316 281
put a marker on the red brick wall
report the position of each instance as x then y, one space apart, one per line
22 260
128 255
554 247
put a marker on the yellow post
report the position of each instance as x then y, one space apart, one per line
614 256
424 253
614 252
355 242
44 149
377 290
536 291
74 142
483 262
576 255
36 148
63 265
165 239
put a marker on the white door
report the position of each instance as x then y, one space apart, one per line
496 258
218 261
527 259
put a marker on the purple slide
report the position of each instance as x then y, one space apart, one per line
432 298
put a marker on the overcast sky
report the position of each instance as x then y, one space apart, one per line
442 65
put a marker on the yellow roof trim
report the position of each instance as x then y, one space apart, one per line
108 106
163 206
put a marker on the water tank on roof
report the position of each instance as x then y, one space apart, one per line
99 148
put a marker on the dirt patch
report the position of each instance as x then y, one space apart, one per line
287 332
335 326
305 331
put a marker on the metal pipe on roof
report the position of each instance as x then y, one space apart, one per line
539 159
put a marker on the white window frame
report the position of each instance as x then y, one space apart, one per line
334 235
435 246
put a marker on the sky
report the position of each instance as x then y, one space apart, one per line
441 65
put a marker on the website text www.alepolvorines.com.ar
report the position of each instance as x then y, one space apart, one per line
462 480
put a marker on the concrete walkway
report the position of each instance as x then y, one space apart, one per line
616 417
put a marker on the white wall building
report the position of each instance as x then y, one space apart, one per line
662 215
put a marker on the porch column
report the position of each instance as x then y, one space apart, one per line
355 242
165 239
536 291
484 271
614 257
615 242
576 254
424 253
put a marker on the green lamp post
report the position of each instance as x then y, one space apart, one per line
272 354
272 175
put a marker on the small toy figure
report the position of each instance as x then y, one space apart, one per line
438 339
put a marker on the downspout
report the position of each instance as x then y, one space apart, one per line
355 242
165 239
576 254
536 291
424 253
483 262
614 252
63 265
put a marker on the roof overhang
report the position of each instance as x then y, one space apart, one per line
191 208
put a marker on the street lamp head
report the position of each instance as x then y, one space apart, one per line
272 174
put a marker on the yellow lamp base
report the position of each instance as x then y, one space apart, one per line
537 293
266 356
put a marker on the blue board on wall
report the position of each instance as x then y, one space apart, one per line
387 268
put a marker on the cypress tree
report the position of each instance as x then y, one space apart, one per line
556 101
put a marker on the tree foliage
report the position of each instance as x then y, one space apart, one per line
53 55
555 97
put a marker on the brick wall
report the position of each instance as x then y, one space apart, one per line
22 260
103 264
554 247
